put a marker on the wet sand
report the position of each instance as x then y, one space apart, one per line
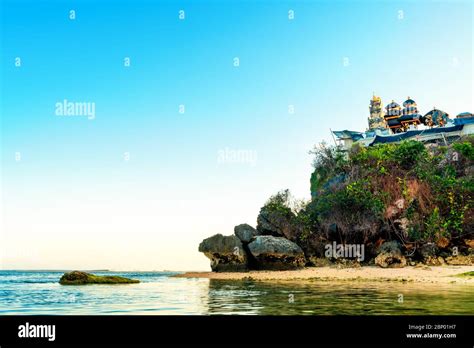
423 274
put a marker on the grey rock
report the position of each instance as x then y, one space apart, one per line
245 232
225 252
276 223
276 253
428 250
392 246
390 256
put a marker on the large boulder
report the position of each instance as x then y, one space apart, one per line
276 253
276 223
225 252
428 250
390 256
245 232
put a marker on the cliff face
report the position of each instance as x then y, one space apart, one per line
407 192
393 204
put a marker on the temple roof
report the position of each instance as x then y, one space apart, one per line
465 114
409 102
463 121
436 112
392 105
346 134
412 133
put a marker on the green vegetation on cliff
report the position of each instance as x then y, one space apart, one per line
408 192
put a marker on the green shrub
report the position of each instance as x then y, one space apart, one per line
356 190
328 162
434 226
373 155
408 153
280 202
466 149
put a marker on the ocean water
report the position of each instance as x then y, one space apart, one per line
35 292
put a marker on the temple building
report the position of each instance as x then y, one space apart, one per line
376 118
393 112
398 123
436 117
400 120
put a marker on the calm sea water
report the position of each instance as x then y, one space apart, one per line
35 292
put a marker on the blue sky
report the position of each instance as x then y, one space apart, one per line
73 201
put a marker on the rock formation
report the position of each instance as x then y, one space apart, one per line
247 250
82 278
276 253
390 256
276 223
225 252
245 232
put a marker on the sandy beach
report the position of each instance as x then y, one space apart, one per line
423 274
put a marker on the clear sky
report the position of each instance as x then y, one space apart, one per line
184 144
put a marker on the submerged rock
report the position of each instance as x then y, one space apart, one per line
225 252
245 232
82 278
390 256
276 253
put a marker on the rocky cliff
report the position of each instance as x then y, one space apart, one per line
391 205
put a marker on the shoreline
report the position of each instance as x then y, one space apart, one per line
423 274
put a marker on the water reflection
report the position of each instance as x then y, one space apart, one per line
158 293
334 298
